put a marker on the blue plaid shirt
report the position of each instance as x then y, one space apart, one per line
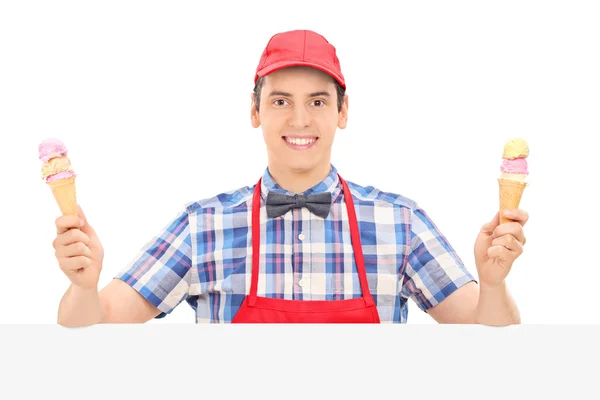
204 256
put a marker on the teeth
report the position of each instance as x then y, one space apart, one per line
300 142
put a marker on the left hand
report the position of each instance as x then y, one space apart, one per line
498 246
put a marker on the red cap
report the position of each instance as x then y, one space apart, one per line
300 48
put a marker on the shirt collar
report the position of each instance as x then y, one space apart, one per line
331 184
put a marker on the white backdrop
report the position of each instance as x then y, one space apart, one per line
152 99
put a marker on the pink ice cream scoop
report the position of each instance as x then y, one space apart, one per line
60 175
515 166
51 148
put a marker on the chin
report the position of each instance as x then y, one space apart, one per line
296 162
302 166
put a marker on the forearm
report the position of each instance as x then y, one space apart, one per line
80 307
496 306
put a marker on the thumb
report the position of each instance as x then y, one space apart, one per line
86 228
493 224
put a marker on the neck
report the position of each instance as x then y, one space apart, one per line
298 181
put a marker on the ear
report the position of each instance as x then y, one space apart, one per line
343 114
254 115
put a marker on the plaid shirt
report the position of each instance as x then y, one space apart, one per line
204 256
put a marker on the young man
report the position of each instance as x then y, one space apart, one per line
301 244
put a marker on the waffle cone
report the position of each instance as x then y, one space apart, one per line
510 195
64 193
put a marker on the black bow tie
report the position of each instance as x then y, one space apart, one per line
278 204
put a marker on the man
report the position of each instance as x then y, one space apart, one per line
301 244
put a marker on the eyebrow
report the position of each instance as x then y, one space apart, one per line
286 94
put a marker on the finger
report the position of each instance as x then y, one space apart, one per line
71 236
490 226
509 242
85 227
511 228
517 215
66 222
73 250
502 253
72 264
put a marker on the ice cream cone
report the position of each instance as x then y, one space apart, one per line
510 195
65 195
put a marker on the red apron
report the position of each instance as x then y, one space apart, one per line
257 309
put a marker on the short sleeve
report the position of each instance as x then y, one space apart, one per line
433 269
161 271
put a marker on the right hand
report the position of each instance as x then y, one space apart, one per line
78 250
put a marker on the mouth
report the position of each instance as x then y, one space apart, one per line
300 142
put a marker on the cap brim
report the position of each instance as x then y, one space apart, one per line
284 64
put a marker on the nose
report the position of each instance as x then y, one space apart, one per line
300 118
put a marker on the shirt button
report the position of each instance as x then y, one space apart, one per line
301 236
301 283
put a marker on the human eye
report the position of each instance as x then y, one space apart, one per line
318 103
280 102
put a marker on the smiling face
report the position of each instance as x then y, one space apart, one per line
299 117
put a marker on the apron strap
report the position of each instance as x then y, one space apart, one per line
356 245
255 242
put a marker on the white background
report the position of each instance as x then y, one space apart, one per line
152 99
